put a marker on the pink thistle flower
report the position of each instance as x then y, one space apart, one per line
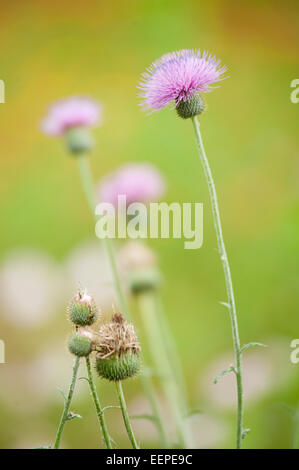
139 182
69 113
177 76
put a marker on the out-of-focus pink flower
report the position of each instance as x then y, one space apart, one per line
177 76
71 112
139 182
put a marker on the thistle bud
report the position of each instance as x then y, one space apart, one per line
193 106
117 350
82 310
80 344
79 140
141 280
139 264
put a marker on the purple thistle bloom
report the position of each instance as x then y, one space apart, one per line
71 112
139 182
177 76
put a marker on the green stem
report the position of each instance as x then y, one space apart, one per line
124 411
171 349
295 444
88 187
67 404
156 342
87 183
97 405
227 275
149 391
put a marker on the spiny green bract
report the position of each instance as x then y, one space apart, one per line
141 280
82 314
118 368
79 140
79 346
192 107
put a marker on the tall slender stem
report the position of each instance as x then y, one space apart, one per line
172 352
125 414
97 405
67 404
156 342
227 275
87 183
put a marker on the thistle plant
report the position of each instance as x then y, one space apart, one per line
144 279
141 182
118 359
71 119
82 311
180 78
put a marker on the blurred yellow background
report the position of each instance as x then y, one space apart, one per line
50 50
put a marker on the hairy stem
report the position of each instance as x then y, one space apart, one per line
67 404
227 275
156 341
88 187
97 405
125 414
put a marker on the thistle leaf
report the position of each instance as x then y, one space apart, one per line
250 345
62 393
245 432
224 372
225 304
71 416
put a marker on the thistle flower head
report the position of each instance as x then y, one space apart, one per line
177 77
82 309
69 113
117 349
139 182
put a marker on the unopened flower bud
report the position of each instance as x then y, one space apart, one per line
79 140
141 280
139 265
79 344
82 310
117 350
193 106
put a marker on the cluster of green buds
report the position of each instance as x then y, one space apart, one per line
82 312
116 345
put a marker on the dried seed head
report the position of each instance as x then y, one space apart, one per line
117 349
82 309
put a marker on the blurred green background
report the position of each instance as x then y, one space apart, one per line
50 50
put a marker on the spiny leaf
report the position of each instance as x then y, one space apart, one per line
224 372
250 345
